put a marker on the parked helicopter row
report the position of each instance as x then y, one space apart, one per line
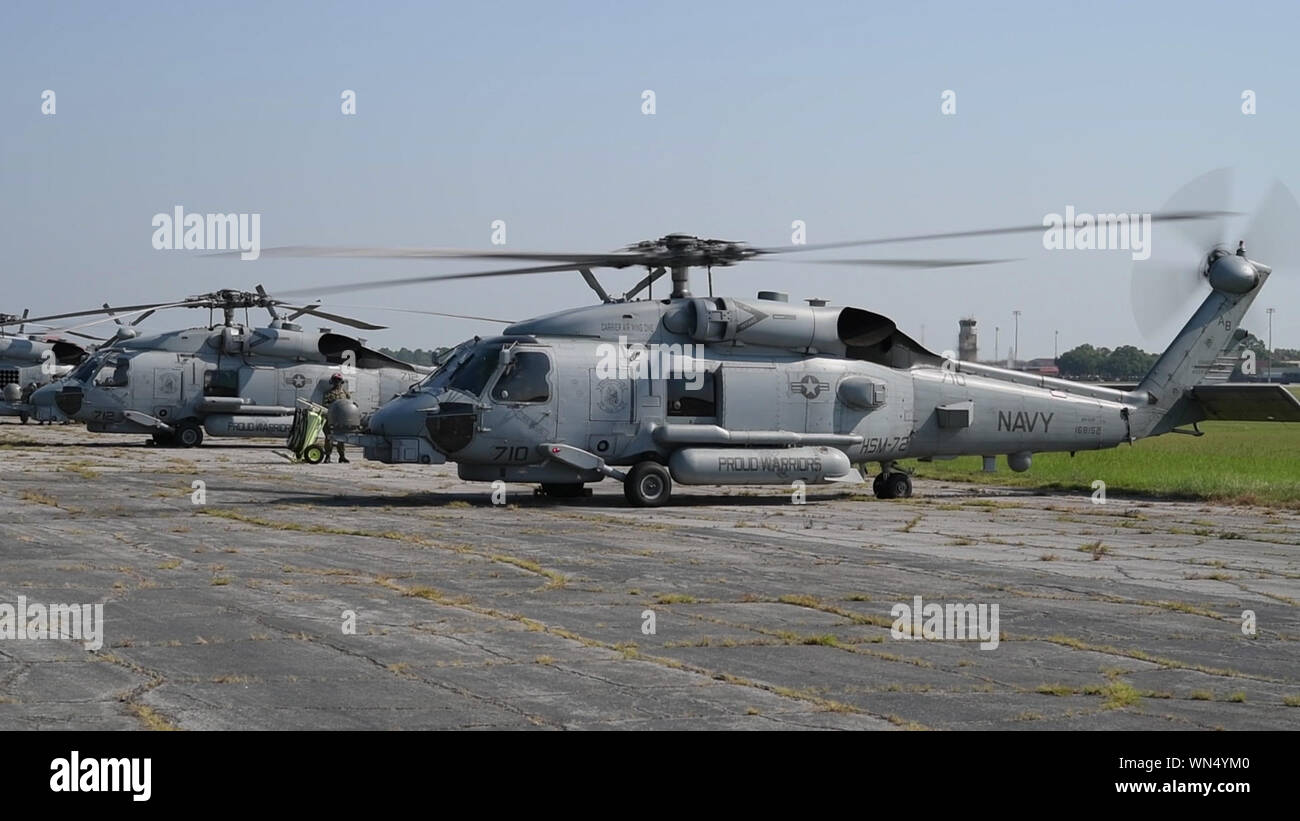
773 393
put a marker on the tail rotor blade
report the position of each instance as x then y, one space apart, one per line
1273 234
1165 286
1212 190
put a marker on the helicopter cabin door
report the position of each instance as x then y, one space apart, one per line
260 385
751 395
523 406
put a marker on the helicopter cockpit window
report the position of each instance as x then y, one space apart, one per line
446 363
524 379
472 374
84 371
221 383
114 373
696 396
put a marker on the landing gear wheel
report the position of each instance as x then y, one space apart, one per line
878 486
164 440
22 417
564 490
899 485
313 454
189 434
648 485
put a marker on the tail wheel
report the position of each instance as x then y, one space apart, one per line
313 454
22 417
648 485
189 434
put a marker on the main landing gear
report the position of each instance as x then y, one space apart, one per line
648 484
891 483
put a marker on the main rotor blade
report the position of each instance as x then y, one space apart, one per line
896 263
1171 216
355 323
51 330
362 285
614 260
430 313
119 311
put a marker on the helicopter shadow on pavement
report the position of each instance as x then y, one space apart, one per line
137 443
527 500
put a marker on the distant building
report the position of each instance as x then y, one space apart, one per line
967 341
1043 366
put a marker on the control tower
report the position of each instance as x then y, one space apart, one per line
967 342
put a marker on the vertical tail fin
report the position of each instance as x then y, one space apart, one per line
1197 354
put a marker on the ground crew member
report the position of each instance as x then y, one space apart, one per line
336 392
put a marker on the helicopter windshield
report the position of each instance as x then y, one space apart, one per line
446 362
468 368
85 369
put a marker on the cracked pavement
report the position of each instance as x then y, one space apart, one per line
232 614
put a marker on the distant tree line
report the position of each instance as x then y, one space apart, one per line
1124 363
1127 363
419 356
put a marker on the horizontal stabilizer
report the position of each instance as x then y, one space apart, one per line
1248 402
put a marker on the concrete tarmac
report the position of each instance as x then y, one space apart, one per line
368 596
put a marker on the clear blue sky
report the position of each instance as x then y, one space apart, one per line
531 113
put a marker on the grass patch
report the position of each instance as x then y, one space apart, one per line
150 718
1245 462
1120 694
1054 690
675 598
1097 549
38 497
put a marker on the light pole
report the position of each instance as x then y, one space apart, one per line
1269 311
1056 348
996 346
1015 352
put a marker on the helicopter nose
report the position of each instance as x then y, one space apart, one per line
67 398
403 416
43 397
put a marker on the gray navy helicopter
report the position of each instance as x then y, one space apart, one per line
226 379
28 361
718 390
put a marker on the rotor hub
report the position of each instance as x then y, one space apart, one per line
686 251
